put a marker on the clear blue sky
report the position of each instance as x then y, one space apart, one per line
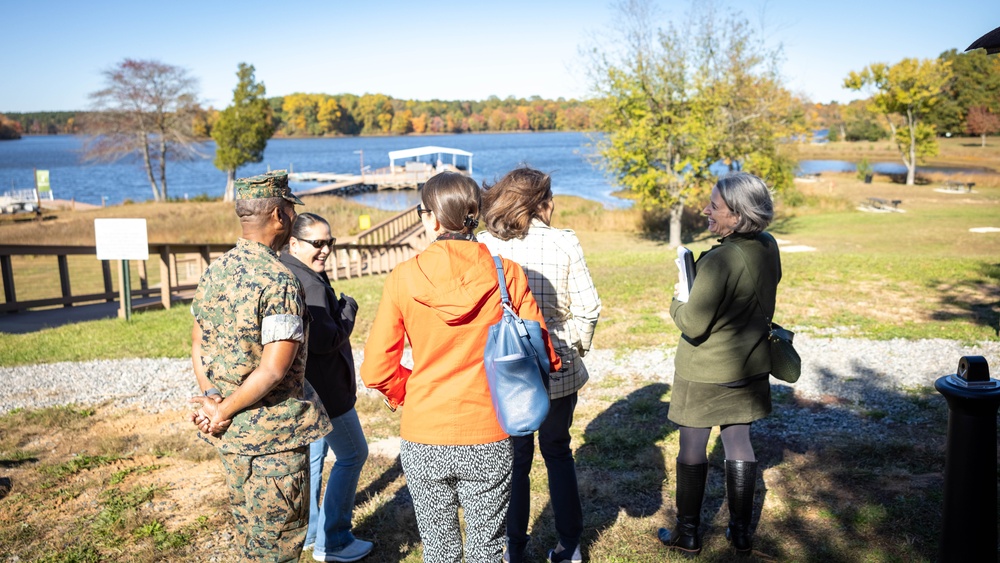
53 52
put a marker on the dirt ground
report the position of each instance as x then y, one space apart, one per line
158 451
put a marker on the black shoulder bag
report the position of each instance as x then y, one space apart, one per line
785 362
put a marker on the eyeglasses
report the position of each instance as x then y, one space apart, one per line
421 211
321 243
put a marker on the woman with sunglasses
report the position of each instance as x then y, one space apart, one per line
330 370
453 450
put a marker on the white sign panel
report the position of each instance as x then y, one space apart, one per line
121 239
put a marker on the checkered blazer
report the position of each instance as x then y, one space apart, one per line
561 283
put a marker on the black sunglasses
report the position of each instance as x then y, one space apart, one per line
320 243
421 211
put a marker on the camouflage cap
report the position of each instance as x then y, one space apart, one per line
272 184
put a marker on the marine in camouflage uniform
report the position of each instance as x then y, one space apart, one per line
246 301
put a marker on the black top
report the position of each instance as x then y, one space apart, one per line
330 364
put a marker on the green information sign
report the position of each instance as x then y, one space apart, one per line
42 180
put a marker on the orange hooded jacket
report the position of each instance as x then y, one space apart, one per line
444 301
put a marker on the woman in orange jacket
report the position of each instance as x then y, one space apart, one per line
443 301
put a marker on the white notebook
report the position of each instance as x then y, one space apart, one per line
685 273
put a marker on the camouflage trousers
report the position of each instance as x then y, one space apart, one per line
269 497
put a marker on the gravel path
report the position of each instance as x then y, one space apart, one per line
858 371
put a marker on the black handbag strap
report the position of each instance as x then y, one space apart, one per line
746 264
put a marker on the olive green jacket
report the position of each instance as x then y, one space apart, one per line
724 331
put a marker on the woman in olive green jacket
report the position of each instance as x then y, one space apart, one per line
723 361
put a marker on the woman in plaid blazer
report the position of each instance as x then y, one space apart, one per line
518 210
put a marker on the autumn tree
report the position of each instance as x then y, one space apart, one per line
981 121
905 93
754 113
9 129
375 113
974 82
402 122
146 109
673 101
243 128
328 114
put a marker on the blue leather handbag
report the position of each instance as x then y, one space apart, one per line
517 368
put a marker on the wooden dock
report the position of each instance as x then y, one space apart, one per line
406 171
409 178
331 183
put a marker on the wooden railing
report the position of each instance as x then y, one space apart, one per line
181 266
375 251
354 260
194 257
394 229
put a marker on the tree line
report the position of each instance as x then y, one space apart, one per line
378 114
962 101
319 115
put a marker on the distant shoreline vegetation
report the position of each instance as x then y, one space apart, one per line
324 115
9 129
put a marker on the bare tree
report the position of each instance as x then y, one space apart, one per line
145 110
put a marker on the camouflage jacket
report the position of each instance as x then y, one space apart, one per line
247 299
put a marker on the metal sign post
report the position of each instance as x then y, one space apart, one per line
125 310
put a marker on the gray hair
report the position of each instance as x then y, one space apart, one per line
748 197
255 209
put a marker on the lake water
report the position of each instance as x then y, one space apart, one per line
563 155
567 156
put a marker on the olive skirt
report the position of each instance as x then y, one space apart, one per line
704 405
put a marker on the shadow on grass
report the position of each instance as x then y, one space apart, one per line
393 525
621 465
977 301
7 463
857 472
854 473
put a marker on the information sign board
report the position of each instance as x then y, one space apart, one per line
121 239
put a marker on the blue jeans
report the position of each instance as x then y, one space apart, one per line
330 523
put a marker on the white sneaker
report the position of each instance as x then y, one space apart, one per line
350 552
560 555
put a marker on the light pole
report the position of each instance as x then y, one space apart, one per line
362 153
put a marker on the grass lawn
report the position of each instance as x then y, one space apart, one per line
129 485
96 483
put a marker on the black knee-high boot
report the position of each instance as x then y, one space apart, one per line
690 491
741 480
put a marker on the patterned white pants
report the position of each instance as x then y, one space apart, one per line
443 478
